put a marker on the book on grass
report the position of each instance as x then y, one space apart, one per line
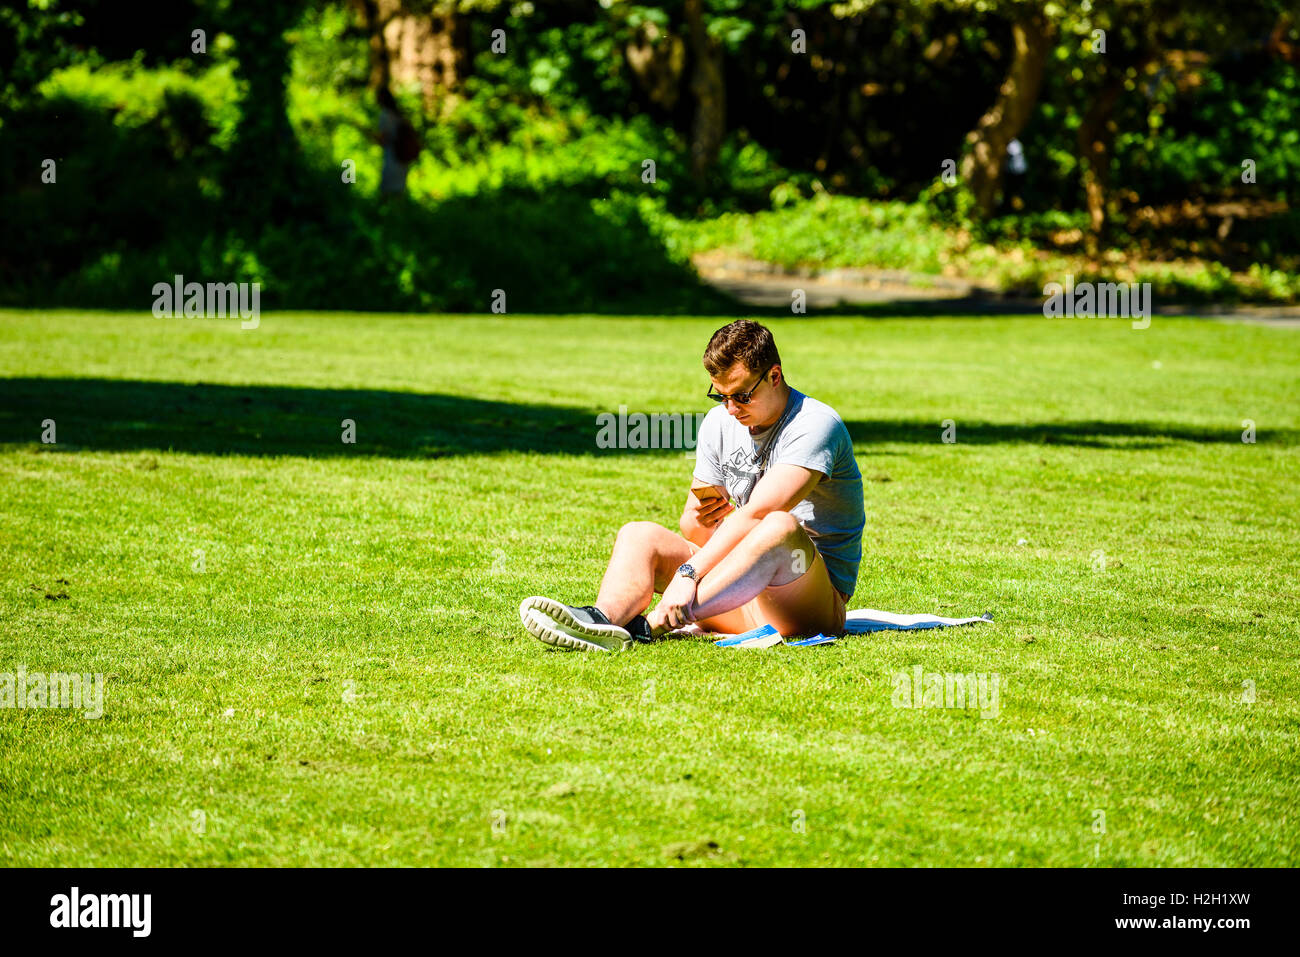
751 635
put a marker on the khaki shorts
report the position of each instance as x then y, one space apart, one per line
806 606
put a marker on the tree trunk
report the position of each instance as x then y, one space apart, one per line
982 165
381 73
428 50
709 90
657 61
264 159
1095 138
1278 44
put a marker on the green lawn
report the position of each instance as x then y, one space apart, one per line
314 655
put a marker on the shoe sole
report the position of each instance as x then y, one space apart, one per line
549 621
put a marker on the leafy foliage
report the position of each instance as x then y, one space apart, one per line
231 159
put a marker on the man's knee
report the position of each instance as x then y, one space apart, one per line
642 534
641 529
665 549
780 535
779 528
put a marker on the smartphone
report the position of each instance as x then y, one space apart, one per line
705 492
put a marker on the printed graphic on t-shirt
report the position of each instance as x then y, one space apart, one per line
740 474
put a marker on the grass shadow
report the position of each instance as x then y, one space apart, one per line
124 415
1084 434
121 415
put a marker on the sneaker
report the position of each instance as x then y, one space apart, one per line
639 629
584 628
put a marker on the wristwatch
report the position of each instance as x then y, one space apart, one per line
687 570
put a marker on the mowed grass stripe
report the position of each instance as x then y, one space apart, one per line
355 611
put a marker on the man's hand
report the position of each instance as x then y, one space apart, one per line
708 505
674 608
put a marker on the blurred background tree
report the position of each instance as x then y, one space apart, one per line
1157 137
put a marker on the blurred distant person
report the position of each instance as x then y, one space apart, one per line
1014 183
400 144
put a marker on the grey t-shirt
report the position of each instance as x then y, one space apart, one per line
812 435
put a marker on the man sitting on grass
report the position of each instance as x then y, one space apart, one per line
786 553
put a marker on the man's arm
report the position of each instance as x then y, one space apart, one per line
706 506
780 489
706 503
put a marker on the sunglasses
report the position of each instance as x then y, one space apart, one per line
741 398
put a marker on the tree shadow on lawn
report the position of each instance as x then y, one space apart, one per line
123 415
1085 434
120 415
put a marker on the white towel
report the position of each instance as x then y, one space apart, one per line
862 621
865 620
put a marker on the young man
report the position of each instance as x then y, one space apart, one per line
771 532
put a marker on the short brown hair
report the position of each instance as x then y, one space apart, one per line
743 341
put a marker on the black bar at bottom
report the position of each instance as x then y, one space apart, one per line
935 907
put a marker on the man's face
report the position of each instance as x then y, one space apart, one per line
765 405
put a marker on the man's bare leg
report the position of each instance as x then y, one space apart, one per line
777 552
644 560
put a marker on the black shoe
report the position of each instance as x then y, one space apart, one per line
582 627
638 628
